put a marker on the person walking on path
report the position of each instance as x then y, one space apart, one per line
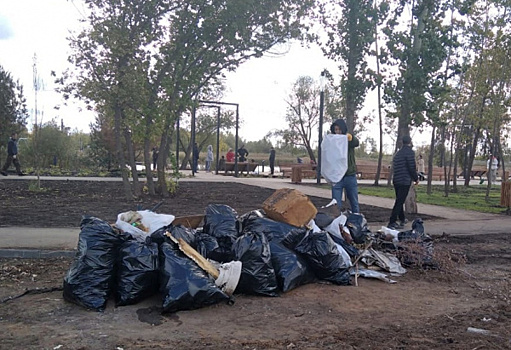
405 171
209 158
272 160
349 181
12 156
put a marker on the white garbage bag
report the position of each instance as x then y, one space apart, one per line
142 223
334 157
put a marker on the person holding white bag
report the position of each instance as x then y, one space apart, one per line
343 175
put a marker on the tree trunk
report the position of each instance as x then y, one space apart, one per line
430 160
120 152
131 157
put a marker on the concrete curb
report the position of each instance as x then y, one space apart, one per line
35 253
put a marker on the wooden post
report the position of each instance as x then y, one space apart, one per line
296 174
505 194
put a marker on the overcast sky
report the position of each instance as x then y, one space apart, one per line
40 27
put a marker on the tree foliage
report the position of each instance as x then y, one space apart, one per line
349 26
13 109
144 62
302 115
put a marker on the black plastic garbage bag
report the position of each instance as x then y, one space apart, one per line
177 231
357 224
350 249
208 247
185 233
90 278
184 285
418 225
257 273
323 257
291 269
294 237
221 222
137 271
158 236
415 247
273 230
322 219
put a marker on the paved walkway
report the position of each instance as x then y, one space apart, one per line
44 242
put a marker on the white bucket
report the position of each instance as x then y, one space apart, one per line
229 277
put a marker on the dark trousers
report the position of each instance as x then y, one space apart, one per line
8 162
398 209
272 167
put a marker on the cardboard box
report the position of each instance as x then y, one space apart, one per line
290 206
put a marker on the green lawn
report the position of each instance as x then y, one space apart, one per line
471 198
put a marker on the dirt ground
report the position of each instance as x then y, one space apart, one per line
430 309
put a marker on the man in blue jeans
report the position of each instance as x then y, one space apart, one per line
349 182
405 171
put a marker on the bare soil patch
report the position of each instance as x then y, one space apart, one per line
424 310
62 203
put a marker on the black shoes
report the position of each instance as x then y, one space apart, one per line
3 173
397 226
22 174
394 226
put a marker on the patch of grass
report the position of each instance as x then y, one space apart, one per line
33 186
467 198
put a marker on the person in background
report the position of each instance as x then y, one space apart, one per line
195 157
155 157
272 160
492 165
349 181
230 155
221 163
12 156
209 158
405 171
242 154
421 166
299 160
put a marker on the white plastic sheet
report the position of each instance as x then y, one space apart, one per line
150 220
334 157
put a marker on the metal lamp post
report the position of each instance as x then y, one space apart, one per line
320 136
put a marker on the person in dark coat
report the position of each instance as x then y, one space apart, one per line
405 171
272 160
195 157
349 182
242 153
155 158
12 156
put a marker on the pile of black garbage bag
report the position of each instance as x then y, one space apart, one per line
276 257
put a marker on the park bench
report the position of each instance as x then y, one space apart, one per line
368 171
475 171
242 166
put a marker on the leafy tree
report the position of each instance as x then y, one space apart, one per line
419 51
13 109
145 62
349 26
302 115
